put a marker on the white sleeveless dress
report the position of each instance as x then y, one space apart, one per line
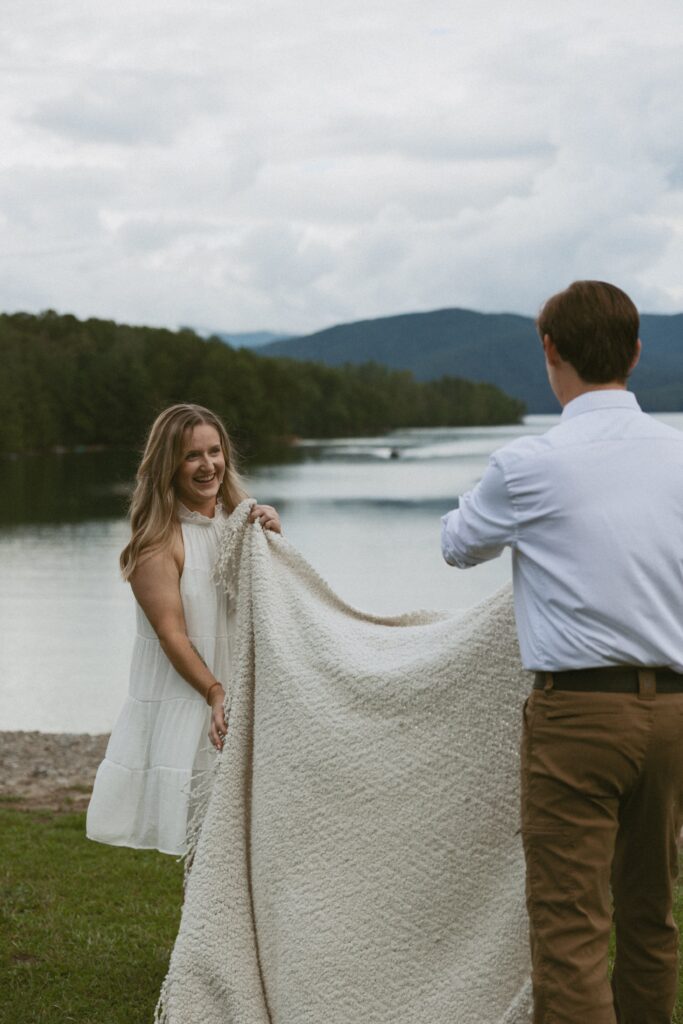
142 794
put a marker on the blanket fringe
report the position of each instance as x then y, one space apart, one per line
201 787
230 548
161 1009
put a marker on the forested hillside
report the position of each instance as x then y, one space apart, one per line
500 348
69 382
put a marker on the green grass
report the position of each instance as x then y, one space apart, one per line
86 930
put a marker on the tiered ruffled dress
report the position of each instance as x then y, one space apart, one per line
143 792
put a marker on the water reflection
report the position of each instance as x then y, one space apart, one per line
67 488
73 487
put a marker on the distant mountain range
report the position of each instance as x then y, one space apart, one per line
501 348
249 339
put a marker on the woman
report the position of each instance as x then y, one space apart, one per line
187 486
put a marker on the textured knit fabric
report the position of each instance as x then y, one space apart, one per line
143 789
359 861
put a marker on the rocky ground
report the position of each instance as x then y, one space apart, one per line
48 771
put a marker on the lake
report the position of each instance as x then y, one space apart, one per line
365 512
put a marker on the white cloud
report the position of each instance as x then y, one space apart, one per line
123 109
290 165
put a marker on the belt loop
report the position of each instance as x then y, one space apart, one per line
647 684
548 682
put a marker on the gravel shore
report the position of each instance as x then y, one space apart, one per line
50 771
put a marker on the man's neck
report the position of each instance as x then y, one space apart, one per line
567 391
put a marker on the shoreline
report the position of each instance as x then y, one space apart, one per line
50 771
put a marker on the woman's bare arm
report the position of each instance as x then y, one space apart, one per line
156 585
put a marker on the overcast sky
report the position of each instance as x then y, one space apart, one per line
290 164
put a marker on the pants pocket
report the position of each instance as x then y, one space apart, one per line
553 866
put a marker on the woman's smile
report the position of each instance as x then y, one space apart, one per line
200 474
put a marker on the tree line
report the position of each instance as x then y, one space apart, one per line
70 382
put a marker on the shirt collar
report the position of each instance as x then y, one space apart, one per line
186 515
591 401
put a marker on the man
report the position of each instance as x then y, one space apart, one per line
593 512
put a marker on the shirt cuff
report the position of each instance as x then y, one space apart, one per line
452 555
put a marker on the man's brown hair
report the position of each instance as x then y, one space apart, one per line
594 326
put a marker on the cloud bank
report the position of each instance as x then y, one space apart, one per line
291 166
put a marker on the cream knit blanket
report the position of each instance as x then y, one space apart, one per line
358 861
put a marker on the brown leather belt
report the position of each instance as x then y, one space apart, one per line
613 679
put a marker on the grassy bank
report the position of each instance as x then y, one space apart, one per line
86 930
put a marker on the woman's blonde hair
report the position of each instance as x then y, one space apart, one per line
153 504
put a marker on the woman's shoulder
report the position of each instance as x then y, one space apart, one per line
161 560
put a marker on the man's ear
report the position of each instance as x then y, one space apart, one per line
552 355
634 363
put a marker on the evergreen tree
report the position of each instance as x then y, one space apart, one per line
67 382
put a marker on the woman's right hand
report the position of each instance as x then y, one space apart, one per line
219 726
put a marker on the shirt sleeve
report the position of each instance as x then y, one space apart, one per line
482 525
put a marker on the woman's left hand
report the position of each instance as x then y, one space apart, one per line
267 517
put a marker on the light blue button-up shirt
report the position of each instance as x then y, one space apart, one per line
593 512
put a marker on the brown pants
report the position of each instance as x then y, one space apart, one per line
602 803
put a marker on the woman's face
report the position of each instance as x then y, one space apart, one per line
200 473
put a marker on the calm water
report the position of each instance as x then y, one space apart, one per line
369 523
